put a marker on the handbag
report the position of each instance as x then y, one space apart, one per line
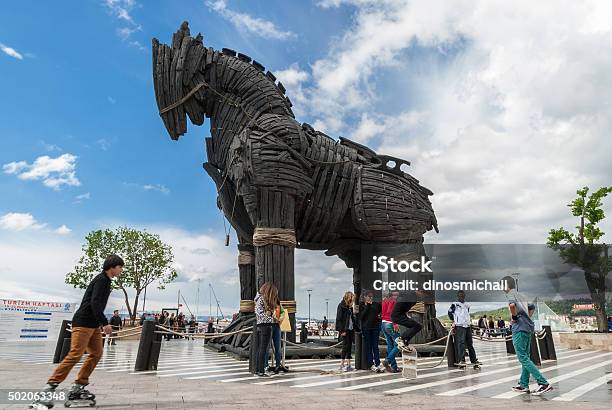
285 323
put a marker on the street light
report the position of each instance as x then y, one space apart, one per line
327 308
515 275
309 291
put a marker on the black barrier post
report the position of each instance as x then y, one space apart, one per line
550 344
147 335
450 350
358 349
535 354
543 347
59 346
65 348
364 352
303 333
155 350
509 344
253 346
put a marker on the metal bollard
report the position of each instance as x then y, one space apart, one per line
450 351
550 344
535 354
543 348
59 346
358 350
253 349
509 345
143 357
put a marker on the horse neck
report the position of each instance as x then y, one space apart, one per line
234 105
227 120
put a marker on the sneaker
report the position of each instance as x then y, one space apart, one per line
399 342
460 364
348 369
477 362
47 395
381 368
396 370
374 369
542 388
342 368
520 389
263 374
387 366
271 369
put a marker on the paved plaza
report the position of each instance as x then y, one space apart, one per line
191 376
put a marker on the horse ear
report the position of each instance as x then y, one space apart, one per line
178 37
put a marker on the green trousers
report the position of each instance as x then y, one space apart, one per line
522 346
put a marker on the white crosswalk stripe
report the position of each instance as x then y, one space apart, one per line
461 378
185 360
585 388
464 390
511 394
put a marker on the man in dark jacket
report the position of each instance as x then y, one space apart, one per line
117 324
370 318
86 335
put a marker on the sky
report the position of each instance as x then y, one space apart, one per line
503 108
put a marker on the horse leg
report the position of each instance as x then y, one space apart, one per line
274 241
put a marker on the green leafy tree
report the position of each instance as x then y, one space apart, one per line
583 249
147 260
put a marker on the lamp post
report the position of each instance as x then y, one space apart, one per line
198 300
309 291
515 275
327 308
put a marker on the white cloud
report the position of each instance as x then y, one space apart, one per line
104 144
16 221
63 230
80 198
54 172
156 187
292 76
11 52
251 25
51 147
121 9
503 123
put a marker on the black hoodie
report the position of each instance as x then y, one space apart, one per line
343 314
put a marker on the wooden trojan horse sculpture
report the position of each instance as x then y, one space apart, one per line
282 184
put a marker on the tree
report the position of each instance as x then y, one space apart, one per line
582 250
147 260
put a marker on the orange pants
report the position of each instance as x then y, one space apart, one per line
83 339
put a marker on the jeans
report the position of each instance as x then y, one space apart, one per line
522 347
371 345
399 316
392 349
276 341
263 340
463 338
347 344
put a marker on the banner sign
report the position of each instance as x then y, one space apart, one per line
31 320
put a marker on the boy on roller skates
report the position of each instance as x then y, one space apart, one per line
86 335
